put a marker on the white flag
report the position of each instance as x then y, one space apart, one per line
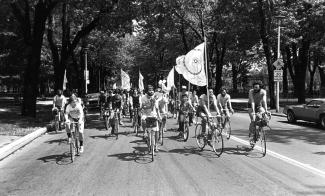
192 66
125 80
65 81
141 86
170 80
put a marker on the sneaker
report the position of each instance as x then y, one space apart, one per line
81 149
121 123
156 149
69 140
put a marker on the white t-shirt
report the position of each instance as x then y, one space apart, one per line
59 100
223 100
75 112
149 105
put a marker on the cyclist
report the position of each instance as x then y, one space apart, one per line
184 109
149 107
118 103
223 100
202 110
163 109
135 102
74 112
101 102
256 104
59 102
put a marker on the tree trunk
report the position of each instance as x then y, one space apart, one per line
32 71
301 69
234 78
312 69
267 51
285 77
321 71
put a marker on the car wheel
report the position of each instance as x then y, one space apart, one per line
322 121
291 117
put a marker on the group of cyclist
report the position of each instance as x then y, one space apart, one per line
155 104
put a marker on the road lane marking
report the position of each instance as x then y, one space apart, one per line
286 159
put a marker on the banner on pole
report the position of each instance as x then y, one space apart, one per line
65 81
125 80
141 86
170 79
191 66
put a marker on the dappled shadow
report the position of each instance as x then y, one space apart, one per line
319 153
188 151
59 141
12 115
60 159
238 150
305 124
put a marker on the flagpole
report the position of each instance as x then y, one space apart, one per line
206 69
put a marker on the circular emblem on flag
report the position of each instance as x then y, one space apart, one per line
195 67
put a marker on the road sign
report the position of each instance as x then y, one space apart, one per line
278 64
278 75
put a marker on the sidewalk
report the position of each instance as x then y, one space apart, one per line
17 131
240 104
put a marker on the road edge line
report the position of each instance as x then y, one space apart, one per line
286 159
21 142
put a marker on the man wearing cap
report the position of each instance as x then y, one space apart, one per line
150 108
203 110
74 113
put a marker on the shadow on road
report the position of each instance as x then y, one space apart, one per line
238 150
187 151
60 159
59 141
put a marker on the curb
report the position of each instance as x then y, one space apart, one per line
21 142
273 114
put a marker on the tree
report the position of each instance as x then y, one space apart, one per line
32 16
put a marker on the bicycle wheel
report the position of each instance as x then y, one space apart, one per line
199 136
77 145
106 122
227 129
56 124
72 148
116 128
161 134
186 132
263 141
152 145
217 142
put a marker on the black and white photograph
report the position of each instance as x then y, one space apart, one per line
162 97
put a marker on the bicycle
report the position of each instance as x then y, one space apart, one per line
213 137
136 125
261 122
162 128
116 123
106 116
74 144
58 119
226 125
186 131
151 124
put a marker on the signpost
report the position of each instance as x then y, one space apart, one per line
278 74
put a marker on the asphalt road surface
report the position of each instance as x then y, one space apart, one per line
294 164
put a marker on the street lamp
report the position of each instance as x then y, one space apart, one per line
277 101
86 71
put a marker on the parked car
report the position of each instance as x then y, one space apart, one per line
91 100
313 111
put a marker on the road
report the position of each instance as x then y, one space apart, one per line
293 166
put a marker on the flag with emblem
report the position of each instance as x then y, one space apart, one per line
141 86
125 80
191 66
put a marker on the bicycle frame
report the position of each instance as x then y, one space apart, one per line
74 145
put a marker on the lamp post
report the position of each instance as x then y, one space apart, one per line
280 63
86 71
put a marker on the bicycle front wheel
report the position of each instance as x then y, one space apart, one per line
199 136
186 132
217 142
227 129
106 123
72 152
263 141
152 145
